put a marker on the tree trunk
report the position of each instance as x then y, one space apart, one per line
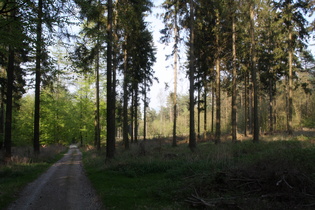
38 77
174 144
212 108
271 126
218 103
205 114
125 102
145 111
234 75
8 116
2 121
192 134
254 76
290 89
218 85
132 108
198 113
97 103
110 141
136 115
246 99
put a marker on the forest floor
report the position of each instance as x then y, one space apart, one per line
276 173
63 186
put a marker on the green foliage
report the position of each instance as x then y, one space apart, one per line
165 178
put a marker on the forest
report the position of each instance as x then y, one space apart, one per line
80 72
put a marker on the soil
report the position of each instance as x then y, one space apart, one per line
63 186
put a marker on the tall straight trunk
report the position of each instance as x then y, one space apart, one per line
132 113
218 102
145 111
212 108
192 134
271 126
136 115
114 72
110 141
218 85
97 102
234 75
254 76
174 144
2 117
205 114
125 102
38 77
290 89
81 121
246 99
198 114
8 116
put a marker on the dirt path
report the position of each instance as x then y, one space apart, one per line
63 186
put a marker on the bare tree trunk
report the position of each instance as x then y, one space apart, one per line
2 116
234 75
136 115
125 102
132 113
205 114
110 141
8 116
218 85
192 134
38 77
246 99
174 144
97 103
145 111
198 112
254 76
212 108
290 78
271 126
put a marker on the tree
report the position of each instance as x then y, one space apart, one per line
290 14
110 140
192 133
12 53
170 19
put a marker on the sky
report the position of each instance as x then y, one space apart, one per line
163 69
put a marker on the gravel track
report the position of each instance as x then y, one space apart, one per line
63 186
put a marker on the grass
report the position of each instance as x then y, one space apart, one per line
23 169
275 174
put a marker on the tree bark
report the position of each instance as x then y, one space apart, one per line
97 103
110 141
192 134
234 75
205 114
290 89
174 144
254 76
125 102
218 84
36 143
8 116
136 114
145 111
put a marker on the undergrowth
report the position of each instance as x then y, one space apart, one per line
245 175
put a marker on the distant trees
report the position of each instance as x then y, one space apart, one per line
246 62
